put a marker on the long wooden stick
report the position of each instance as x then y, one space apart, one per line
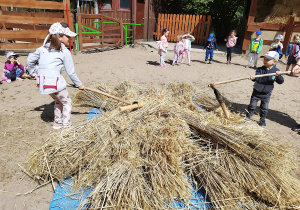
105 94
234 80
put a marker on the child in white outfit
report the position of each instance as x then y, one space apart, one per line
178 50
187 40
52 57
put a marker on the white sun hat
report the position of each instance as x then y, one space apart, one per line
272 55
60 28
57 28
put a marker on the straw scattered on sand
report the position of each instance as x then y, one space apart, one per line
141 159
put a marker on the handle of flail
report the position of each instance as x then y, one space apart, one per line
133 106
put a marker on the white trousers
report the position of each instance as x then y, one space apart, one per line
253 56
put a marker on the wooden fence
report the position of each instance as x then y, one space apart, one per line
27 29
99 31
197 25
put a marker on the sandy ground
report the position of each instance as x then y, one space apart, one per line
26 116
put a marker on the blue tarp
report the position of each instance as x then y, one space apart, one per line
65 198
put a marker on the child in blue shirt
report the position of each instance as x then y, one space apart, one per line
210 45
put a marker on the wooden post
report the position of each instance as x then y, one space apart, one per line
288 33
80 32
252 13
121 32
102 28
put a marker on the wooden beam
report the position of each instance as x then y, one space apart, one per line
32 20
288 33
26 26
88 40
17 34
35 14
16 46
32 4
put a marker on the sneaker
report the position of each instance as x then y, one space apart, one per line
8 80
56 125
296 129
262 123
205 62
189 64
161 65
248 115
173 64
19 79
210 62
229 62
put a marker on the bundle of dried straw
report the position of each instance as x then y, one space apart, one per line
140 159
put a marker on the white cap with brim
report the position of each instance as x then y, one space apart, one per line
11 54
271 55
57 28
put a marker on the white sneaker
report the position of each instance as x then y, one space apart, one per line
56 125
20 79
8 81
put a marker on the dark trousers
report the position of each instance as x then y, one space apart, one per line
264 98
229 51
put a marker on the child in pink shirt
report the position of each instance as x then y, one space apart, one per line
13 69
163 47
230 44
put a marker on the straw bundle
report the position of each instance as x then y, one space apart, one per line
141 159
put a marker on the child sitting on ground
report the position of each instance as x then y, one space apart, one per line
263 86
178 50
255 48
209 46
187 40
292 51
13 69
277 46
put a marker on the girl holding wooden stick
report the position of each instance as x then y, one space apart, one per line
52 57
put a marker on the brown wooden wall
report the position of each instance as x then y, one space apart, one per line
27 30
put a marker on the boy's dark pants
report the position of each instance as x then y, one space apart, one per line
264 98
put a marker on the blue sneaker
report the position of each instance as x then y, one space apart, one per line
262 123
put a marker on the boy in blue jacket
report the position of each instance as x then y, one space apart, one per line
263 86
210 45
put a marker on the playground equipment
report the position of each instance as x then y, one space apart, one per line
98 30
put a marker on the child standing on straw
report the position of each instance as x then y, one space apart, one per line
209 46
187 40
178 50
292 51
230 44
263 86
255 48
52 57
163 45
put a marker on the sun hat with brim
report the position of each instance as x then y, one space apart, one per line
271 55
279 37
57 28
11 54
